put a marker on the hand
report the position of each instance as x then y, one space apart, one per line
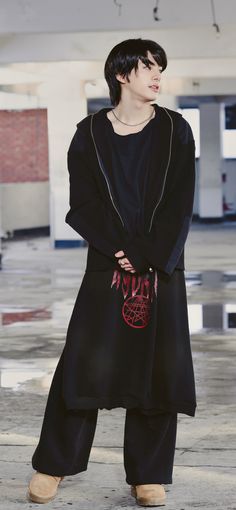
124 262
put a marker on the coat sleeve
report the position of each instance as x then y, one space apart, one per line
88 214
162 246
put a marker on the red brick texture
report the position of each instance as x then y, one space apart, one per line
23 146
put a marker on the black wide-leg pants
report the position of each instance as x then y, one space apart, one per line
67 436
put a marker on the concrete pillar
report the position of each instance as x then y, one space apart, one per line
211 161
66 107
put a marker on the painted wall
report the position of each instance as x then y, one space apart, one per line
25 205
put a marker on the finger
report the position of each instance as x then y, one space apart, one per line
126 264
119 253
122 262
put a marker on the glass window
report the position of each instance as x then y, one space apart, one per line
229 133
229 143
192 115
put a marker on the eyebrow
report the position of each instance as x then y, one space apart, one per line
153 63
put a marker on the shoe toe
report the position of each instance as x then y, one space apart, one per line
149 494
43 488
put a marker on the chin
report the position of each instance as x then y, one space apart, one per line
153 96
149 97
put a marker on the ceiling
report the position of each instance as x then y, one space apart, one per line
35 35
60 16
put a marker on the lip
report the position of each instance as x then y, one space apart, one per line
155 88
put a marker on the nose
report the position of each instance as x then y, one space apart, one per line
157 77
156 74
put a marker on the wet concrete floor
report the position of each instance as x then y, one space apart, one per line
38 287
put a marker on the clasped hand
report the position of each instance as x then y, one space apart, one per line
124 262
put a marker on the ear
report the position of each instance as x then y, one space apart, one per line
121 78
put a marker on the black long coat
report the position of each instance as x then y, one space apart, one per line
128 342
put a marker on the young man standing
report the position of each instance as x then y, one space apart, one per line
132 176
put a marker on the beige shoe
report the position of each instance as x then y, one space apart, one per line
151 494
43 488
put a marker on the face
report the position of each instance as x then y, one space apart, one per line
143 84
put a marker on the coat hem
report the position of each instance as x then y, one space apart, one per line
127 402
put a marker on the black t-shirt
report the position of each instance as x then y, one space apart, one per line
130 160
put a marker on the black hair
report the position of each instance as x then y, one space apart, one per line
124 57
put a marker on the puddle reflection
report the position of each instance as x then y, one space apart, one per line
202 316
57 314
21 315
27 375
193 278
212 316
211 279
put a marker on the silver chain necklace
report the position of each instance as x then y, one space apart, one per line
133 124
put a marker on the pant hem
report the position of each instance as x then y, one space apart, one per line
54 472
166 482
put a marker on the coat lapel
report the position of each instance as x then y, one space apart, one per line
161 149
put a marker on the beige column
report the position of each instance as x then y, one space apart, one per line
211 161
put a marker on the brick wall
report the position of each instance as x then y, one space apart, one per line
23 146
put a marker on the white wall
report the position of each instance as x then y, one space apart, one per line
24 205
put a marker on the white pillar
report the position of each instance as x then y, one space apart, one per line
211 163
66 107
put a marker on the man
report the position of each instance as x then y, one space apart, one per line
132 176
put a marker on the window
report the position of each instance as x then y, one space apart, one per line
192 115
229 133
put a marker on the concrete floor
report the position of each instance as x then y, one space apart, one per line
38 287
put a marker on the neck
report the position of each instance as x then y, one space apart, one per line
133 111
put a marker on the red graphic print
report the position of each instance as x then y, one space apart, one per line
136 309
